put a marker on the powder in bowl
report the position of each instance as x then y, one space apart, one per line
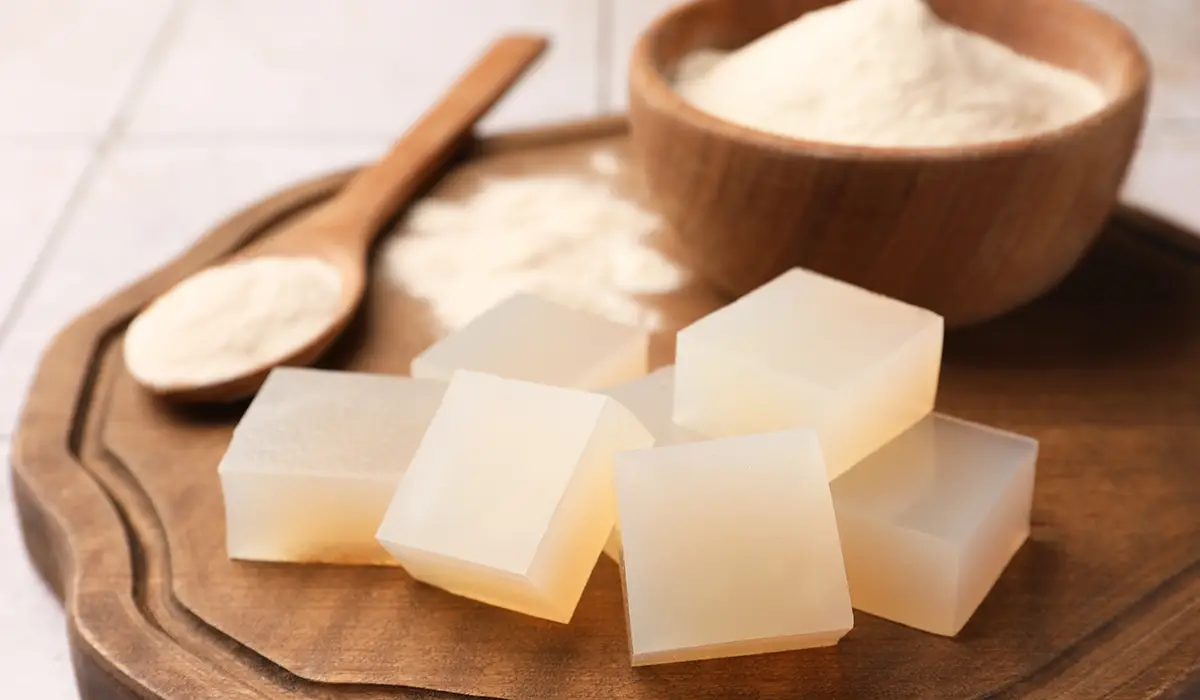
884 73
232 319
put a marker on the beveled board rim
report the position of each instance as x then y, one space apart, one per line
85 537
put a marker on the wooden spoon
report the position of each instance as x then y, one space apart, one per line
340 231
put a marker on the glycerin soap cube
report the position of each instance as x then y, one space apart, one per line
808 350
730 548
314 461
929 522
650 399
529 338
509 498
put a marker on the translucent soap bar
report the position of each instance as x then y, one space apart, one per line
509 498
808 350
730 548
314 461
650 399
529 338
929 522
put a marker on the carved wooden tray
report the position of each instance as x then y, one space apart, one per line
122 514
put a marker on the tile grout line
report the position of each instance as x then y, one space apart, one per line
112 133
141 79
604 55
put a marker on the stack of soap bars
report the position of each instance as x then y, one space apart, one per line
788 468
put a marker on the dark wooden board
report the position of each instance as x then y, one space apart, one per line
122 514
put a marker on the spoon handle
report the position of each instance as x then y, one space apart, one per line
378 191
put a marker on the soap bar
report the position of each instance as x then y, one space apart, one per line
529 338
315 460
730 548
509 498
808 350
650 399
929 522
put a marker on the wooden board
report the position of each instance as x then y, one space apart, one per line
122 514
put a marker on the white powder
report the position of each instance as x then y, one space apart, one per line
605 162
226 320
884 73
570 239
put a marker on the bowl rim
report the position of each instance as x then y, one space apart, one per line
660 95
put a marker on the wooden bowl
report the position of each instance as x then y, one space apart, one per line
969 232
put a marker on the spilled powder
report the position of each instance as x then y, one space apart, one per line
605 162
884 73
568 238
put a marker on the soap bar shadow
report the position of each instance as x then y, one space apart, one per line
1024 592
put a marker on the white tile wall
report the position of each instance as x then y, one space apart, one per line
315 66
1166 176
36 181
65 64
1170 34
629 19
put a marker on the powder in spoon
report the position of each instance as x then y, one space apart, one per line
884 73
568 238
231 319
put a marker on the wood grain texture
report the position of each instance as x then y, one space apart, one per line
969 232
122 513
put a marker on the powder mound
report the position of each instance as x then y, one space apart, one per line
567 238
605 162
226 320
884 73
